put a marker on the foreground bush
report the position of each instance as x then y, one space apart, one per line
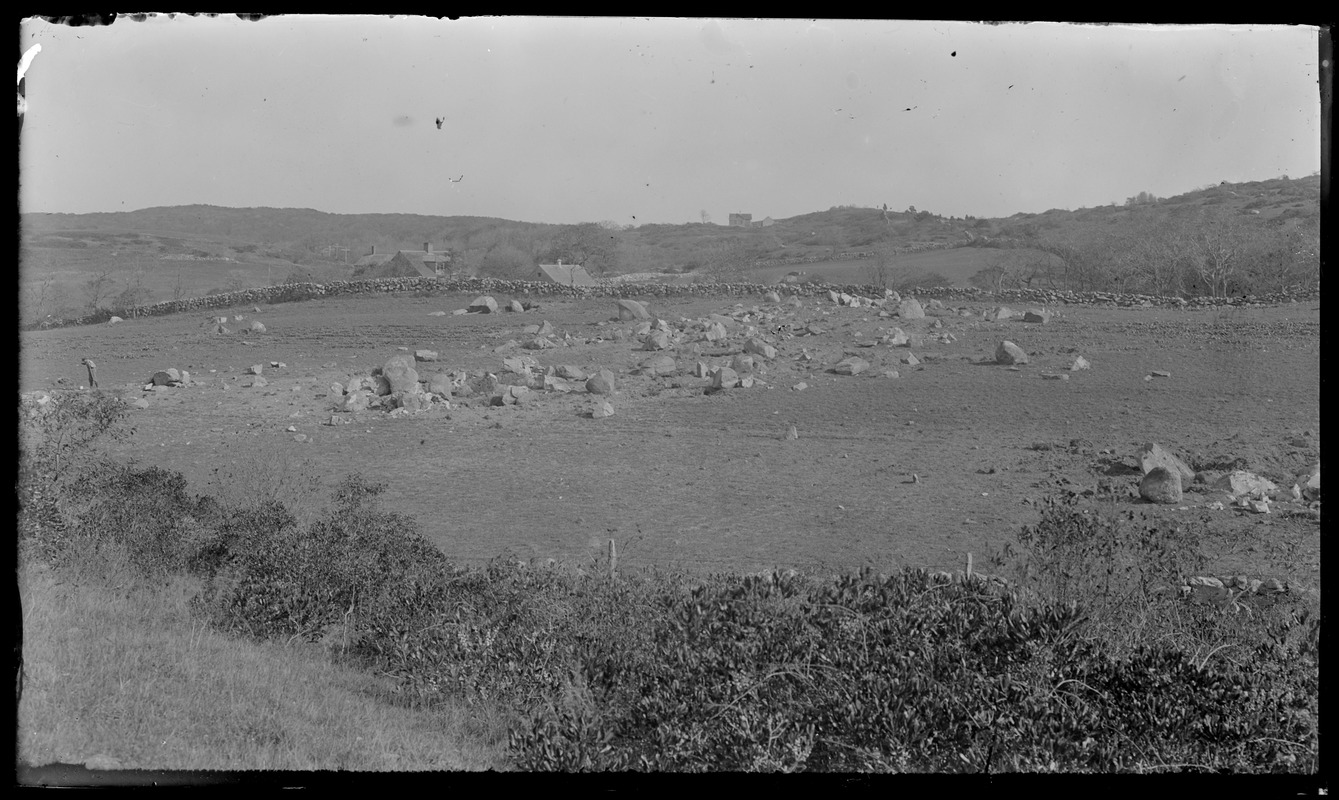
658 671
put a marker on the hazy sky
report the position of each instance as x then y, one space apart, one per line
637 120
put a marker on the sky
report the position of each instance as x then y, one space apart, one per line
665 120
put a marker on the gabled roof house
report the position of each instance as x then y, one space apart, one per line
403 264
566 274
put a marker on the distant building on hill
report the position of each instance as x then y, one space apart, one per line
741 220
565 274
403 264
766 222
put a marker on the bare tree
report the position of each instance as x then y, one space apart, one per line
98 288
1214 249
706 218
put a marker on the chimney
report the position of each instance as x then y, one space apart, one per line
560 262
427 247
374 249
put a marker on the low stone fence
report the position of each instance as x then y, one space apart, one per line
309 291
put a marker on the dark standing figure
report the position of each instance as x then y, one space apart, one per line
92 373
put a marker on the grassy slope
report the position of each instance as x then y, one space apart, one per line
122 671
264 242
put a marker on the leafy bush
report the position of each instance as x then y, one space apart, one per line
269 577
146 515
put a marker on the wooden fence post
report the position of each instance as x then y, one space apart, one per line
969 565
613 559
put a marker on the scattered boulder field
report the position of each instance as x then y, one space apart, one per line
789 341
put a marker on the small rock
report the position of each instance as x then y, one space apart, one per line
1037 315
257 327
852 365
759 347
1239 482
800 387
1161 485
724 378
484 304
771 297
256 382
140 403
254 369
569 372
114 320
601 382
1157 373
631 309
657 340
602 409
1152 456
1009 353
425 355
301 437
437 314
515 306
659 365
910 308
1055 376
1079 363
792 434
890 373
910 360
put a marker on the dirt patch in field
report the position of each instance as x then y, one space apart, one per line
918 469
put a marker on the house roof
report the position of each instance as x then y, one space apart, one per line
567 275
401 264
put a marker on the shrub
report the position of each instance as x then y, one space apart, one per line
269 577
145 515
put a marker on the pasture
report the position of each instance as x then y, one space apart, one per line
915 470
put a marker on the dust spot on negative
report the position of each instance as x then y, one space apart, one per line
402 121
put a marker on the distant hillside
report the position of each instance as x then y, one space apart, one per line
72 260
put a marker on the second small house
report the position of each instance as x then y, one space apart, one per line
403 264
565 274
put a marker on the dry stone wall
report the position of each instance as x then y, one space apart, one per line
309 291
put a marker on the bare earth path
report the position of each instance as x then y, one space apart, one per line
709 482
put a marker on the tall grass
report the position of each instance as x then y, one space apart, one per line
116 667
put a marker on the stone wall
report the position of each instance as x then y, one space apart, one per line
520 289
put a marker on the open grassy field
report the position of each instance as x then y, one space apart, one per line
915 470
957 266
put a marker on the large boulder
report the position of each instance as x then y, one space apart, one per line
631 309
1009 353
1000 314
601 382
910 308
1037 315
484 304
1153 456
743 364
1161 485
